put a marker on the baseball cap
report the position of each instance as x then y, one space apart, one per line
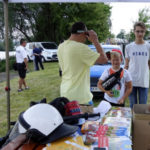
117 50
42 123
78 27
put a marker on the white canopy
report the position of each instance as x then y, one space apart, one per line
72 1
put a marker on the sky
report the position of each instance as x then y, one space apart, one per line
123 15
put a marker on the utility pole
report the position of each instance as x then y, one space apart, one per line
7 88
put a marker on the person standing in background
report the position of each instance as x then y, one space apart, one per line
22 64
137 56
38 57
33 57
75 59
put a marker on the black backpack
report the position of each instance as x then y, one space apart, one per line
59 103
41 101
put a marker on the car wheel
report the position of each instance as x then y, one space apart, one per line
43 59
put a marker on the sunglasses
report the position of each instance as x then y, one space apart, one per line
83 31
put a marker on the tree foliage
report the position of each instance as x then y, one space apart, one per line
52 21
122 34
143 16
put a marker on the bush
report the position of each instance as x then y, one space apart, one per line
3 64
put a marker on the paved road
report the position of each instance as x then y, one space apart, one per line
3 76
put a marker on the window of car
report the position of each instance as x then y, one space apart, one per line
31 46
38 45
107 51
49 45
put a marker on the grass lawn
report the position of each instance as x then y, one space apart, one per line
43 84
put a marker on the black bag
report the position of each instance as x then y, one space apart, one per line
39 102
112 80
15 66
59 103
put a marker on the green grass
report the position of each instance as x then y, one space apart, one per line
43 84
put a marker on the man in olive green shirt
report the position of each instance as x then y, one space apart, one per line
75 59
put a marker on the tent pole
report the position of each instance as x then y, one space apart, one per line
7 62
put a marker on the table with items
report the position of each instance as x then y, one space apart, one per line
110 132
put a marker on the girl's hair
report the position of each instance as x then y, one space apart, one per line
113 53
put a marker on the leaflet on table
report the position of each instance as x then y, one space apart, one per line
114 121
90 126
73 142
123 125
92 136
120 112
111 143
68 143
120 143
117 144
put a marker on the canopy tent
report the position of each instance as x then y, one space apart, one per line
74 1
5 2
69 1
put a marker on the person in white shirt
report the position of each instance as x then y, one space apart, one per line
22 64
120 91
137 56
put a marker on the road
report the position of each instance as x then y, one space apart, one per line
3 75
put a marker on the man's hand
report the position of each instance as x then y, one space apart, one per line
26 68
121 101
110 93
26 63
92 37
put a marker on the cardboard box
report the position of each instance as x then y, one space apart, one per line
141 127
86 108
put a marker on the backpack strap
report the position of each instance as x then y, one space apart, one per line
111 71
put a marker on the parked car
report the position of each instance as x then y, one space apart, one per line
49 50
97 70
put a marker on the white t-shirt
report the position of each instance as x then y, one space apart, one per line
119 88
138 55
20 54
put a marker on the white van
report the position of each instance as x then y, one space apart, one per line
49 50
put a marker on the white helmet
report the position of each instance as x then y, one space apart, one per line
44 124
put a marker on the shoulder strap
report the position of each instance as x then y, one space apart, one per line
120 71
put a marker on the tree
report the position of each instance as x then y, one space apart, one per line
121 35
143 15
52 21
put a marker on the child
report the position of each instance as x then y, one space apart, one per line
117 95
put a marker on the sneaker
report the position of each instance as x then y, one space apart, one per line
27 88
20 90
